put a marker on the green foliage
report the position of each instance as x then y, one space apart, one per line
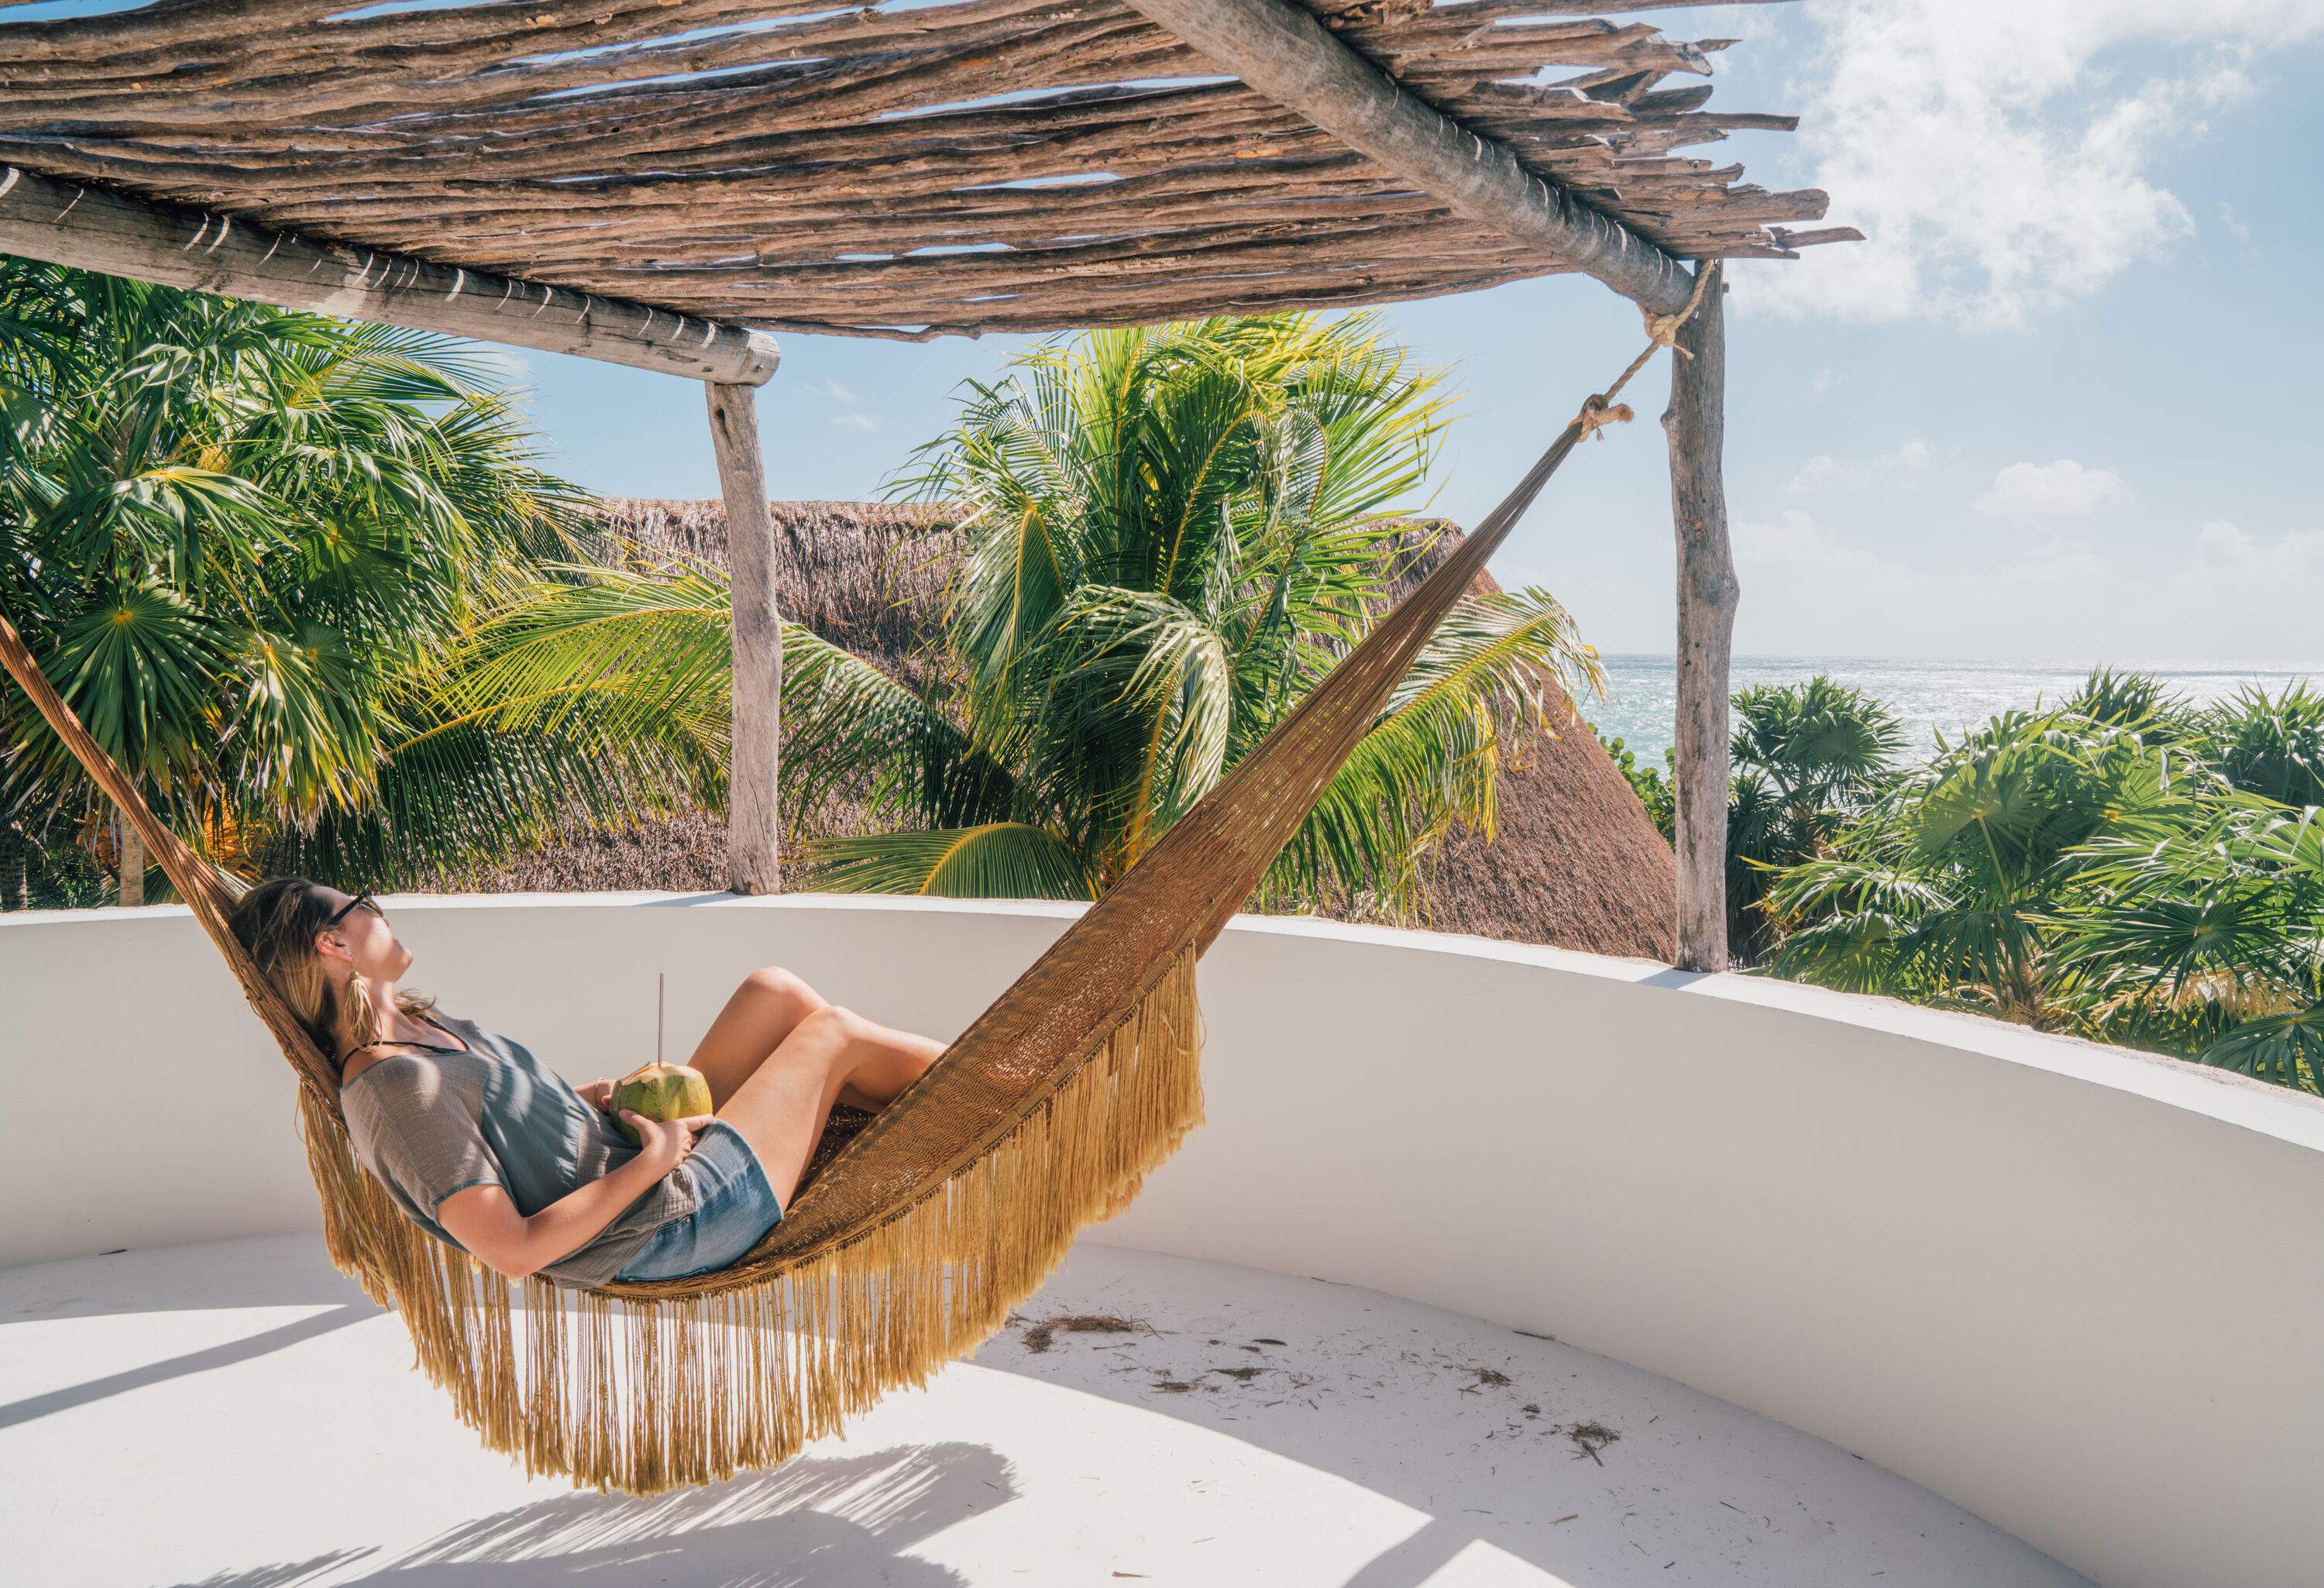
1804 760
240 540
1170 535
1945 888
2271 747
2108 868
1653 788
2137 701
41 867
2204 934
631 669
1175 534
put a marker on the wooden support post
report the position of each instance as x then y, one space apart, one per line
753 862
133 862
1696 425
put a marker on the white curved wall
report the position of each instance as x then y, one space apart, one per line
2074 1289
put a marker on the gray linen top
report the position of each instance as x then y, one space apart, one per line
429 1123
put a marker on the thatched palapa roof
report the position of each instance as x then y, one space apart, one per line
1576 862
896 170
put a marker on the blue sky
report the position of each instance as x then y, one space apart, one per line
2063 406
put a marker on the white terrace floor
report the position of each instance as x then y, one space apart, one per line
236 1415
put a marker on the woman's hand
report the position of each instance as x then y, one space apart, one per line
597 1094
665 1144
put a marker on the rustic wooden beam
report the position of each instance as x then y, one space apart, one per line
95 228
1696 425
753 863
1279 50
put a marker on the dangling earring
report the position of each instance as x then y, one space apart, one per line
363 1018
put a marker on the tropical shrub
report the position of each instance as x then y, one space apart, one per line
1804 760
1653 788
2138 701
2271 747
1947 888
239 540
2119 868
2202 933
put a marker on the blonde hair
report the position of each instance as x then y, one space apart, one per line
276 923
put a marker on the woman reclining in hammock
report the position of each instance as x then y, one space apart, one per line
487 1149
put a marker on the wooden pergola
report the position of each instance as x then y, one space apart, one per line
664 184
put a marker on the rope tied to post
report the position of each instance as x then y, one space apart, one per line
1597 413
1599 409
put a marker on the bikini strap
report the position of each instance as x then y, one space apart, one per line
398 1042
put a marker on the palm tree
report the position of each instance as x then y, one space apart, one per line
2204 935
2138 701
1170 535
1804 760
1948 889
2123 867
238 538
2272 746
2202 925
1806 757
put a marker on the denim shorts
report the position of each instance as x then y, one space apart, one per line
735 1205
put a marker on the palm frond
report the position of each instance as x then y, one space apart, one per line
2286 1049
996 860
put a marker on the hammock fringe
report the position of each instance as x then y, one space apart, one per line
646 1394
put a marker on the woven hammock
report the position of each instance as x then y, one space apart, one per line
910 1246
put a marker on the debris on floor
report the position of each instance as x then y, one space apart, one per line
1590 1439
1040 1336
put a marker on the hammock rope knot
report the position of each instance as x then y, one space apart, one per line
1662 331
1597 413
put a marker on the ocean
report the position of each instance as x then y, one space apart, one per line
1928 696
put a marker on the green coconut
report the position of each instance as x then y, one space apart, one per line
660 1092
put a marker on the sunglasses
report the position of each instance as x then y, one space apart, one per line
360 901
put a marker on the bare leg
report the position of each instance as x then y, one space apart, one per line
762 1015
763 1011
782 1106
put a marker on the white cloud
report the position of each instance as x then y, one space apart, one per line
1800 579
2062 564
1895 470
1998 160
1791 535
2230 593
856 421
2218 544
1825 381
2216 590
2063 489
838 394
2291 566
1795 540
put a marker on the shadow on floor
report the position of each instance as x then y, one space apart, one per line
192 1361
819 1520
1515 1461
